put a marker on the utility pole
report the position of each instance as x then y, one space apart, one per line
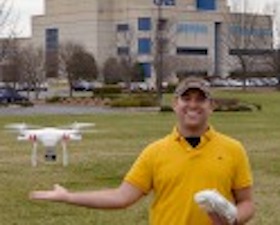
159 47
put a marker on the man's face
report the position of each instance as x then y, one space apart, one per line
192 109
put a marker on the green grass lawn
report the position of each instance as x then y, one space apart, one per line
102 159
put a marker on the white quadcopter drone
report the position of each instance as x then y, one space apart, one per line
49 137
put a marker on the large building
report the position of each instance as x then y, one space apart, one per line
196 36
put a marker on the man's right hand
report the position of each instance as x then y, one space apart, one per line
58 194
121 197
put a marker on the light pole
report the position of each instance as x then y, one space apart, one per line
159 51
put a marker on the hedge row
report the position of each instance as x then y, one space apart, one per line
135 100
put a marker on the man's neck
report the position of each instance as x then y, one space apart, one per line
193 131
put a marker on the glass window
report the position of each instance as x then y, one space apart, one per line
162 24
144 45
170 2
192 28
123 50
51 39
165 2
192 51
147 69
206 4
144 24
122 27
249 31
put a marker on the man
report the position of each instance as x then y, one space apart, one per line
192 158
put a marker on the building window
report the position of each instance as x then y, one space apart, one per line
122 27
147 69
165 2
144 24
251 52
162 24
192 28
206 4
52 43
192 51
4 52
249 31
51 39
144 46
123 50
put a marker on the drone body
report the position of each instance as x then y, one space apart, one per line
49 137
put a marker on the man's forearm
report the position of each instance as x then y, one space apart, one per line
104 199
118 198
246 211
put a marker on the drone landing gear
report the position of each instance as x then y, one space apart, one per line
34 155
64 153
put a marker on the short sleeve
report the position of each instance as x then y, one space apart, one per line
243 175
141 174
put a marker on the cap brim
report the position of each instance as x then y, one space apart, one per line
202 90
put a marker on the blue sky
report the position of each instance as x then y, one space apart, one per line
24 9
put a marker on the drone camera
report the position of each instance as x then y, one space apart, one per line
50 155
50 158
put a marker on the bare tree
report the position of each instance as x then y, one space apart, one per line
32 67
187 65
247 38
117 70
127 58
66 51
137 72
277 45
76 63
5 13
82 66
165 62
130 71
11 61
5 10
112 71
273 58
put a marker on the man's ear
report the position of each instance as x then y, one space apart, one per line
174 103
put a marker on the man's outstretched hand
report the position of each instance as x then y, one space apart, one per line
58 194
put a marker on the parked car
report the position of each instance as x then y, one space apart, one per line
82 86
10 95
141 86
27 87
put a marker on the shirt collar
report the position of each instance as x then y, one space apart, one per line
207 136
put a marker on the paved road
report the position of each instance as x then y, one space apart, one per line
60 109
52 109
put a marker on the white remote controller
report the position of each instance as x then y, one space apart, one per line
213 201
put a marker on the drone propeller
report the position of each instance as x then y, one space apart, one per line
78 126
20 126
91 131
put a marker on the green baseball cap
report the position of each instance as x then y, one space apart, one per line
193 83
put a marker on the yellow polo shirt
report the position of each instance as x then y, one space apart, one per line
175 171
